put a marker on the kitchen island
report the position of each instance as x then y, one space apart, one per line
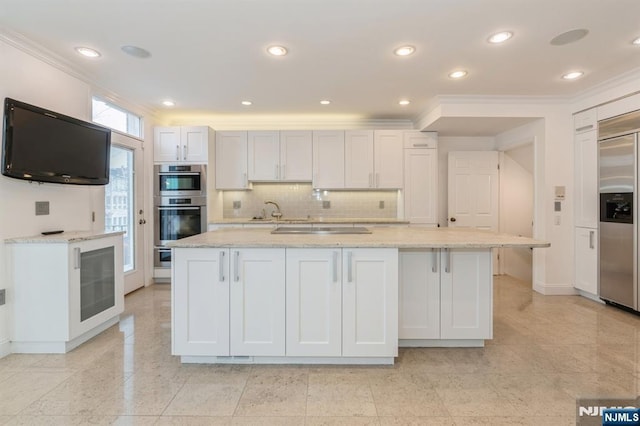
250 296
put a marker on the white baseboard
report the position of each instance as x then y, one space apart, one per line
285 360
5 348
555 289
590 296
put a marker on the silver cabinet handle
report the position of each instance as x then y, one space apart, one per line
177 152
377 180
244 180
579 129
370 180
335 266
349 267
434 265
447 266
591 235
221 267
236 266
276 171
77 259
420 145
284 171
184 151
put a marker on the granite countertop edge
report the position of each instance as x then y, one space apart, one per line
64 237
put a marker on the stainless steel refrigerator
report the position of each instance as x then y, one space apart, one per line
618 177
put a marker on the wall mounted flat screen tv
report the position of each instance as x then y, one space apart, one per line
44 146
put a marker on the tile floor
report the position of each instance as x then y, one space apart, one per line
547 351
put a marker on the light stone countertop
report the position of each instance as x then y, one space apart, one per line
65 237
311 221
400 237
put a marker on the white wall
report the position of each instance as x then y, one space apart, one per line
516 208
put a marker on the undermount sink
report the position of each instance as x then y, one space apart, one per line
320 230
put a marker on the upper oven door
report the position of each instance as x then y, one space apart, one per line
179 180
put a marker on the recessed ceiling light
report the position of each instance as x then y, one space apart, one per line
325 102
569 37
277 50
246 103
168 103
573 75
500 37
404 102
636 41
458 74
136 51
404 50
88 52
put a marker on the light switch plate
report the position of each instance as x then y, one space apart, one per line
326 204
237 205
381 204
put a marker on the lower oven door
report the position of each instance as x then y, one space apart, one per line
162 257
176 222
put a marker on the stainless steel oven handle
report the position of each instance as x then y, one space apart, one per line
179 208
178 174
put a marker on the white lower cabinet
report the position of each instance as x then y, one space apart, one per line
446 294
586 249
314 302
369 302
228 302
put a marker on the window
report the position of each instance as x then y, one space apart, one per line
117 118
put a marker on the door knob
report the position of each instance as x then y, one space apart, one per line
142 221
453 219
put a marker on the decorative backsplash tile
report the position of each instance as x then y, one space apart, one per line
300 200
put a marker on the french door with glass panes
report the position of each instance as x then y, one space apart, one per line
124 205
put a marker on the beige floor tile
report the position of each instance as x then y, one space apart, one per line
342 421
273 400
278 375
193 421
235 375
135 420
27 420
205 400
23 388
416 421
341 375
475 402
268 421
5 419
336 400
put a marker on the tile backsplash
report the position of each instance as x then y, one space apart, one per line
300 200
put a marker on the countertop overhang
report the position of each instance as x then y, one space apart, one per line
393 237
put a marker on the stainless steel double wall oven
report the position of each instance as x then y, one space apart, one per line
180 206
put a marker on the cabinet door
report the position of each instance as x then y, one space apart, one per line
195 144
328 159
466 282
264 156
231 160
586 179
586 247
419 294
585 121
388 159
200 302
166 144
370 302
358 159
258 302
420 140
421 186
296 156
314 302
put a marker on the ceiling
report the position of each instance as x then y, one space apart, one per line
209 55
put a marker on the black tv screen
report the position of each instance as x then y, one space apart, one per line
44 146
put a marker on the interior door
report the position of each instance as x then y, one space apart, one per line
124 203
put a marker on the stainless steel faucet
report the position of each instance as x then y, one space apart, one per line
277 214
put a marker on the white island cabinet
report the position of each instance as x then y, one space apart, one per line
67 289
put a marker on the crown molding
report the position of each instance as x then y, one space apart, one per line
31 48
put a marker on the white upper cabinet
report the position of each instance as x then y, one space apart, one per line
421 186
388 159
586 179
373 159
264 155
296 155
181 145
420 140
328 159
231 160
280 156
585 121
358 157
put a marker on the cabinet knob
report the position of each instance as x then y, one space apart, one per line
142 221
453 219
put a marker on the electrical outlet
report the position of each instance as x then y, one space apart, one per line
326 204
42 208
237 205
381 205
3 300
